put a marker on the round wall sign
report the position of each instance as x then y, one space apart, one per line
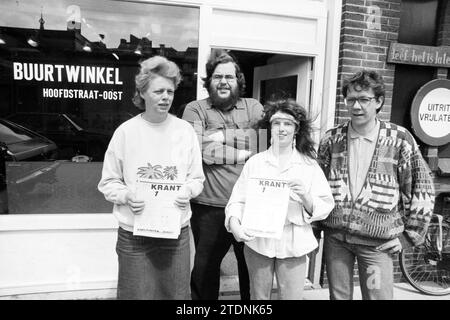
430 113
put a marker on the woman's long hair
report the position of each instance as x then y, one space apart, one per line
303 140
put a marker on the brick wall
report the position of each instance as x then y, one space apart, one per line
443 35
367 28
443 38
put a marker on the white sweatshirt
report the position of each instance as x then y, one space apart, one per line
140 149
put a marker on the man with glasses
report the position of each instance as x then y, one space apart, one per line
383 192
224 124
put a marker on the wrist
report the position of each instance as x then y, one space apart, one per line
234 220
188 193
127 196
305 197
234 223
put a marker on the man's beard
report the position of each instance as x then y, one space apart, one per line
223 103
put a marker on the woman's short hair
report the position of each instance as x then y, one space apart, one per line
365 80
219 56
303 136
150 68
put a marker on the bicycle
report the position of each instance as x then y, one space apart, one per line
427 267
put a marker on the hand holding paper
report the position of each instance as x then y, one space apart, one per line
182 199
239 233
299 188
161 217
135 204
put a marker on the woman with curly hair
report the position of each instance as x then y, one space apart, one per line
291 157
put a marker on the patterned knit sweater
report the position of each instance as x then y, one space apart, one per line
397 197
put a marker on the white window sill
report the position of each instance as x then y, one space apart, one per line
77 221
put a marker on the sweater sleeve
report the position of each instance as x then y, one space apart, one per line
195 176
112 183
236 203
324 155
416 191
323 201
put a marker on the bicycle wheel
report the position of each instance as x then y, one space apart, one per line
424 268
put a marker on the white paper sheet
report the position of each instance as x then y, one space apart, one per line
161 218
266 207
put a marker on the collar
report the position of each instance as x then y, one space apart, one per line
371 136
296 158
239 104
155 124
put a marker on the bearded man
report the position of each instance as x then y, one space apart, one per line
224 123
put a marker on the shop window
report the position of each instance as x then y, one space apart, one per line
67 72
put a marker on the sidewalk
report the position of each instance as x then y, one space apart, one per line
229 291
229 287
402 291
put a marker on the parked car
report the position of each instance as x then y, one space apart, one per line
20 143
70 133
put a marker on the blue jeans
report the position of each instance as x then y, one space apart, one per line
212 242
375 269
153 268
290 273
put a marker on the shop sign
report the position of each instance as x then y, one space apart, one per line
70 74
419 55
430 113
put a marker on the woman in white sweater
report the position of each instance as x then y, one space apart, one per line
152 145
291 158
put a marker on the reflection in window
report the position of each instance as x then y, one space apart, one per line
279 88
67 75
9 133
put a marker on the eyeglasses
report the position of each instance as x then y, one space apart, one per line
363 101
219 77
